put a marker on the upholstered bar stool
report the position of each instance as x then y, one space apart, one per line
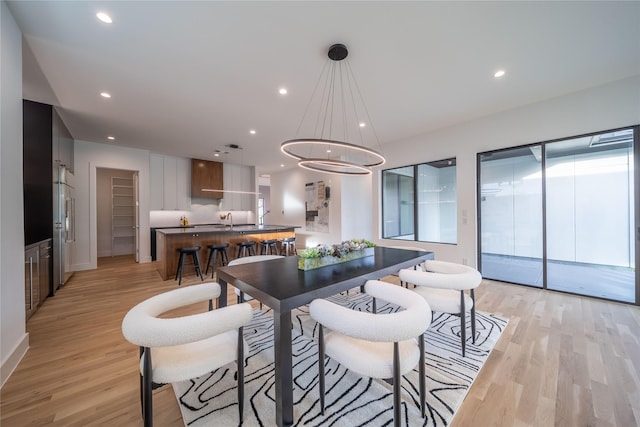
220 248
193 251
246 248
269 247
288 246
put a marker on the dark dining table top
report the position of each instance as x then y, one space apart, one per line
280 285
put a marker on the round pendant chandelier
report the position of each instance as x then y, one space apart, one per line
339 119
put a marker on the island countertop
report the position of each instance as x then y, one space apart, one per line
242 229
170 239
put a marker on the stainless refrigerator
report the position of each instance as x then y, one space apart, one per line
63 226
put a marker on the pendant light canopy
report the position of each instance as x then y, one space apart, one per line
340 118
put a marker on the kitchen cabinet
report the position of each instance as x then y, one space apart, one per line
61 143
241 179
206 174
31 279
45 269
38 177
169 182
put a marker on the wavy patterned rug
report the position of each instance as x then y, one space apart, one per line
351 400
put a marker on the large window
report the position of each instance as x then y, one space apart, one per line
562 215
419 202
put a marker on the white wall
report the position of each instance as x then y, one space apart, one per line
350 214
609 106
287 205
14 341
356 215
88 157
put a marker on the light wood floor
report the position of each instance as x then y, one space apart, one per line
563 360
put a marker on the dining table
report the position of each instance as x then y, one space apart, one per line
281 286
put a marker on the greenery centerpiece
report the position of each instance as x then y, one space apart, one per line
323 255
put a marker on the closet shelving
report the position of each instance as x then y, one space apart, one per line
122 216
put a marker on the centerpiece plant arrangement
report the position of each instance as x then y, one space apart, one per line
323 255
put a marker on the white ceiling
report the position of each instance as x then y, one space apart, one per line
189 77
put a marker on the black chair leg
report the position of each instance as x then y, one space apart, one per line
147 389
473 316
196 265
422 381
141 386
211 261
397 414
321 366
206 266
240 362
179 271
463 323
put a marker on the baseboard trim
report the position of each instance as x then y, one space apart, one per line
82 267
11 362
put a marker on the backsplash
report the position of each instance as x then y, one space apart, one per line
199 214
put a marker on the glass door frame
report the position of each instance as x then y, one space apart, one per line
542 144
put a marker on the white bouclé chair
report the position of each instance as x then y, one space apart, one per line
375 345
182 348
443 285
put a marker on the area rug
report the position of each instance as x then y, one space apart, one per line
351 400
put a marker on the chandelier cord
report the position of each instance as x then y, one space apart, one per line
345 128
366 110
315 89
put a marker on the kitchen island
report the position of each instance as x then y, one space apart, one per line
169 239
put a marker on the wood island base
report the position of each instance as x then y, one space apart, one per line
168 240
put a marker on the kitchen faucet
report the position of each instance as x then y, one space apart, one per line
227 216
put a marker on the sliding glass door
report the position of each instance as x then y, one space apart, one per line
562 215
590 216
510 205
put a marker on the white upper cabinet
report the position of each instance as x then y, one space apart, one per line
238 178
170 182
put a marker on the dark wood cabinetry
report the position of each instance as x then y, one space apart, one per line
47 144
206 174
37 171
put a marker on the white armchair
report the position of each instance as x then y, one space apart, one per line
182 348
375 345
443 285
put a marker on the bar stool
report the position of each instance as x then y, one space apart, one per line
193 251
244 247
288 246
213 254
269 247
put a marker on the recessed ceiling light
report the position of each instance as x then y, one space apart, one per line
105 94
216 154
362 124
328 151
499 73
104 17
111 138
281 166
252 132
282 91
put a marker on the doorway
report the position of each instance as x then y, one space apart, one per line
117 219
562 215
